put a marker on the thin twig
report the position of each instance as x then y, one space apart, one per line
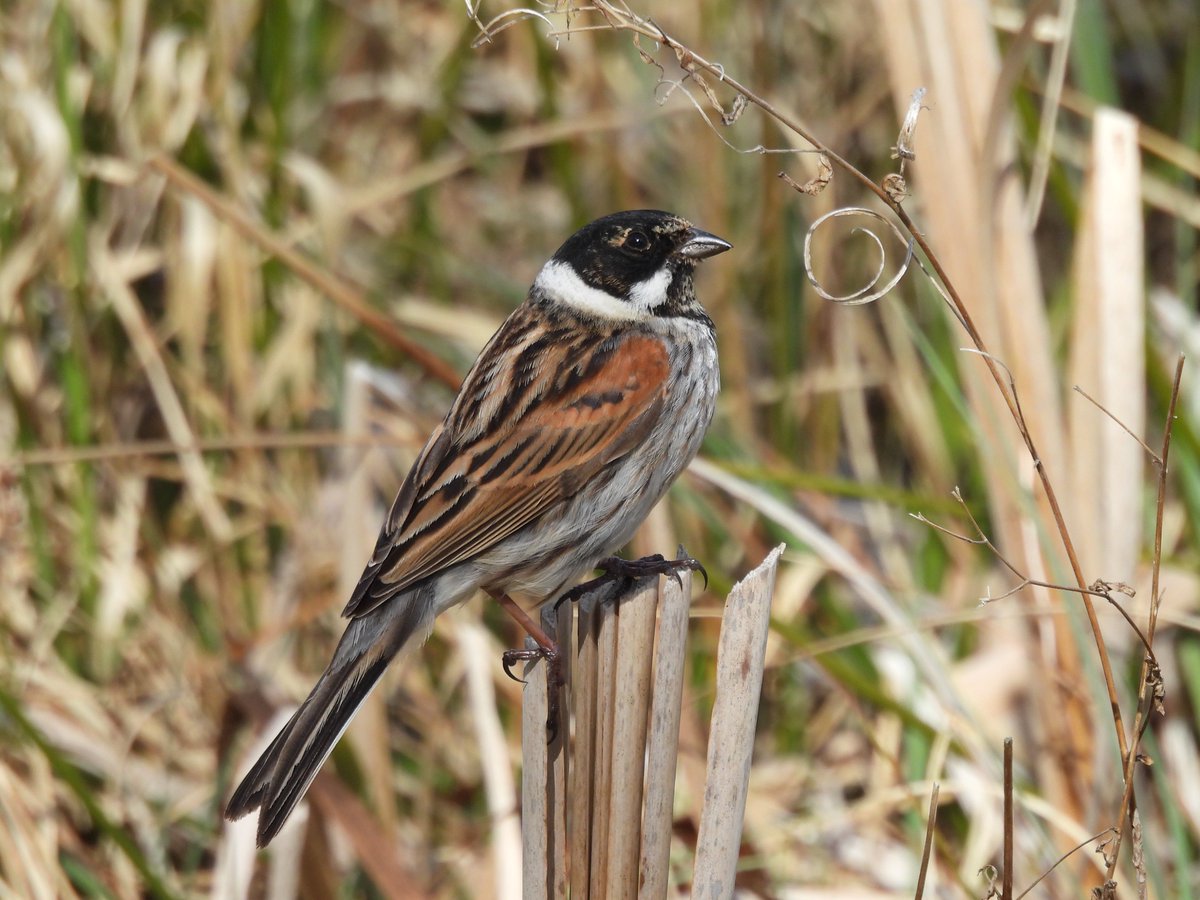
1048 488
1097 589
623 19
1096 403
689 60
927 852
949 532
1058 862
1006 871
1141 717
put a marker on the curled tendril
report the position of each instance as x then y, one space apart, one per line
869 292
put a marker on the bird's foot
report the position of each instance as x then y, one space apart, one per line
555 676
615 568
550 654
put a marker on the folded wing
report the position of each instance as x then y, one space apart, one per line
534 422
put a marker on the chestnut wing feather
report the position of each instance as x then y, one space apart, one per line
527 431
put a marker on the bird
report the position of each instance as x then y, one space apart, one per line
577 415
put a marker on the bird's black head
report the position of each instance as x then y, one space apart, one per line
630 265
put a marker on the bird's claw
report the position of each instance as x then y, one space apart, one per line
512 657
556 676
614 567
508 660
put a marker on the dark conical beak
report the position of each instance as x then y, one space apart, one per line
701 245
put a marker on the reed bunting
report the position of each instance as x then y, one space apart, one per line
572 423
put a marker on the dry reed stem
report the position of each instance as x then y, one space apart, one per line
286 862
1051 103
662 743
581 816
731 734
602 785
538 857
1108 351
624 715
590 836
927 850
236 852
634 617
560 621
308 440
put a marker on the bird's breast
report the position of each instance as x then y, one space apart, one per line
552 554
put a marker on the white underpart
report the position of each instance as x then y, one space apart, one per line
560 282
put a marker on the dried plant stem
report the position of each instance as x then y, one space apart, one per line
582 706
538 865
1145 704
1100 406
1006 871
1097 589
1161 503
544 774
602 753
740 661
634 626
605 829
927 852
619 19
1058 862
1010 399
497 773
662 743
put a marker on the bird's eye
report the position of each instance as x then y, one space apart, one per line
637 240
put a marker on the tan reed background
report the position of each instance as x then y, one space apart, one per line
245 250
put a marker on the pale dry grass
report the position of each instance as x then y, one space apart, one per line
197 434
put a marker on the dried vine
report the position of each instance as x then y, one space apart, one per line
892 191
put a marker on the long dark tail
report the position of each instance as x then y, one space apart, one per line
277 782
